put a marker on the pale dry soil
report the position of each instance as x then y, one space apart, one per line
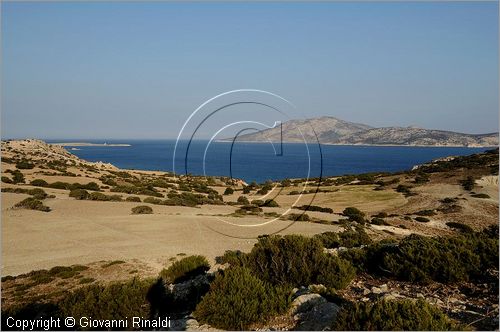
81 232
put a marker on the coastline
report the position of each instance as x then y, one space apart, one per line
89 144
377 145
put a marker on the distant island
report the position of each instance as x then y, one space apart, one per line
330 130
88 144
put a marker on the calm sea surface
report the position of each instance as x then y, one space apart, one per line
262 161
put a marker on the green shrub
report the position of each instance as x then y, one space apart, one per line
79 194
353 214
37 193
249 209
469 183
459 226
349 238
6 179
270 203
185 269
480 195
297 261
32 203
39 183
97 196
379 221
443 259
17 176
298 217
114 301
133 199
425 213
422 219
246 190
243 200
24 165
142 209
406 315
152 200
237 299
314 208
228 191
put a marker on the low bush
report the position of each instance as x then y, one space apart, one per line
425 213
24 165
228 191
421 259
142 209
379 221
243 200
349 238
79 194
39 183
185 269
270 203
121 300
137 190
353 214
297 261
381 215
17 176
422 219
468 184
314 208
249 209
459 226
152 200
97 196
133 199
6 179
298 217
397 315
237 299
480 196
32 203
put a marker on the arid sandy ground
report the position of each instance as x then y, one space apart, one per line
84 231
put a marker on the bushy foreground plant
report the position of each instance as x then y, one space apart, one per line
422 259
237 299
114 301
397 315
185 269
294 260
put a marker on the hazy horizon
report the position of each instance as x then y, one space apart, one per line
138 70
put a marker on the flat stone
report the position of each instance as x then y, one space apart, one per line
306 302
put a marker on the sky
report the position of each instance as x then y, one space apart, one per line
137 70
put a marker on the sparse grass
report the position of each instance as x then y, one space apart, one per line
112 263
185 269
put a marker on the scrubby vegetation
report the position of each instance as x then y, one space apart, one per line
142 209
294 260
237 299
353 214
349 238
314 208
404 315
185 269
32 203
459 226
421 259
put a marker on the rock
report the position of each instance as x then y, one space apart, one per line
313 312
300 291
391 296
420 295
305 302
319 318
384 288
366 291
376 290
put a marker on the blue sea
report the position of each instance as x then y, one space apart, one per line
262 161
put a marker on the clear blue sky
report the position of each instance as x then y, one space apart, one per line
137 70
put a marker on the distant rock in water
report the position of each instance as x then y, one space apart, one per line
330 130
